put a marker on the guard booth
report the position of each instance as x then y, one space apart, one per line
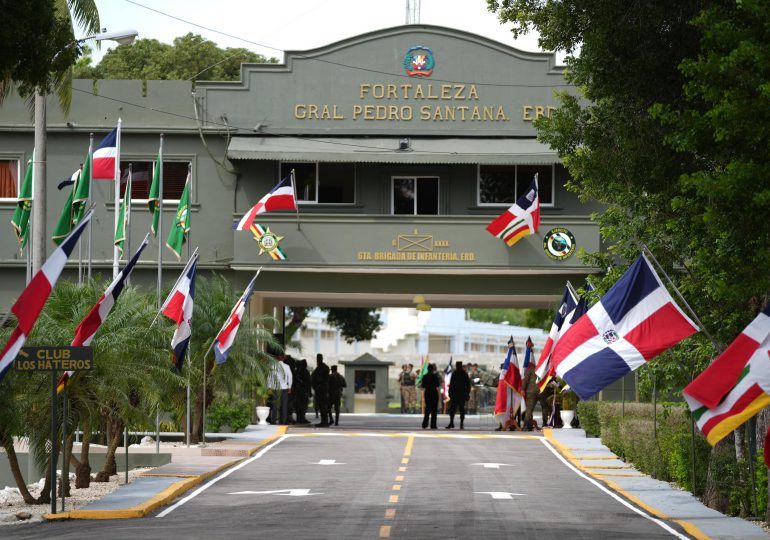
367 380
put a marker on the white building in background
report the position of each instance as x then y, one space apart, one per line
408 335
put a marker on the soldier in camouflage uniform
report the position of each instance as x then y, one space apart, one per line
474 375
408 390
531 391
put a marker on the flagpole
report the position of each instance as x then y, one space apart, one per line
679 294
115 253
159 232
296 203
189 236
127 219
29 251
90 198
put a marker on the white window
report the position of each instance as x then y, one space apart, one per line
322 183
10 174
417 196
501 185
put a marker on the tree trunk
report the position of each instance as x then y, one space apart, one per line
110 466
744 482
45 495
13 463
715 495
298 315
83 466
65 479
197 421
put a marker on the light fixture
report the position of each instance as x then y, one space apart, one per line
404 145
123 37
421 305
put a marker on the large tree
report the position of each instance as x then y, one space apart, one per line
669 131
189 57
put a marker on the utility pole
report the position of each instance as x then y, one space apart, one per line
38 184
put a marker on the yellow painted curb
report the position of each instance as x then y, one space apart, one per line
170 475
164 497
596 458
627 475
690 528
605 467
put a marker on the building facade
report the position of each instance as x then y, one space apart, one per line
405 144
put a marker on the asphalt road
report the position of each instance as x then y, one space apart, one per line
317 484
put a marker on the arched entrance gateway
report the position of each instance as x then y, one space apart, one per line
405 143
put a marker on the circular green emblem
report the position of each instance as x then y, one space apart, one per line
559 243
268 241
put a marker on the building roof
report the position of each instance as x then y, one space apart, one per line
366 359
485 151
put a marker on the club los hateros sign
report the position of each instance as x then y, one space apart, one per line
54 359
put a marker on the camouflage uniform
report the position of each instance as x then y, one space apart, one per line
530 394
408 391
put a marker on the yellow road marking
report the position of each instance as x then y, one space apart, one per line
402 469
396 487
399 478
605 466
618 474
596 458
393 499
409 443
384 531
390 513
405 460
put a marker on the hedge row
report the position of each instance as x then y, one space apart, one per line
629 432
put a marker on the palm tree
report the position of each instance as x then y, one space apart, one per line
85 15
247 365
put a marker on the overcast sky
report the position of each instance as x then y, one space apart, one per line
294 24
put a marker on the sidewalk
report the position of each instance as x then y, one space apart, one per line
657 498
188 468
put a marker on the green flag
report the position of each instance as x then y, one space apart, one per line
82 191
64 225
20 219
423 371
124 218
154 199
177 236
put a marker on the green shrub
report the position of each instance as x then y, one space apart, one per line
588 413
228 412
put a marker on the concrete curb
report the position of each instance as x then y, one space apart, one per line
591 471
164 497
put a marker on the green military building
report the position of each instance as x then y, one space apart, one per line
405 142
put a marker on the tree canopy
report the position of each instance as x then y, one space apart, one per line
189 57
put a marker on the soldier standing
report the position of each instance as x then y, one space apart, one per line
459 392
529 385
408 389
303 391
336 384
320 381
430 383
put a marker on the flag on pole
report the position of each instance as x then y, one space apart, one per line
226 336
633 323
520 220
177 236
86 330
124 217
281 197
509 388
64 224
543 366
81 191
30 303
423 370
20 219
447 380
179 308
105 155
154 199
736 386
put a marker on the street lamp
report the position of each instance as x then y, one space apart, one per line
124 37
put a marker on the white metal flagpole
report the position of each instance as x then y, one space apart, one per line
90 191
296 202
115 252
159 232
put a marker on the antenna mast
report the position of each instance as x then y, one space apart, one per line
413 11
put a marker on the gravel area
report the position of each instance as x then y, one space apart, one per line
11 502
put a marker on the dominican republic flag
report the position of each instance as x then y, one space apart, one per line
226 336
509 391
566 308
520 220
633 323
281 197
179 308
104 157
86 330
31 301
736 386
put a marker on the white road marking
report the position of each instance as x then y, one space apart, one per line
284 492
500 495
216 479
326 462
611 494
493 465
